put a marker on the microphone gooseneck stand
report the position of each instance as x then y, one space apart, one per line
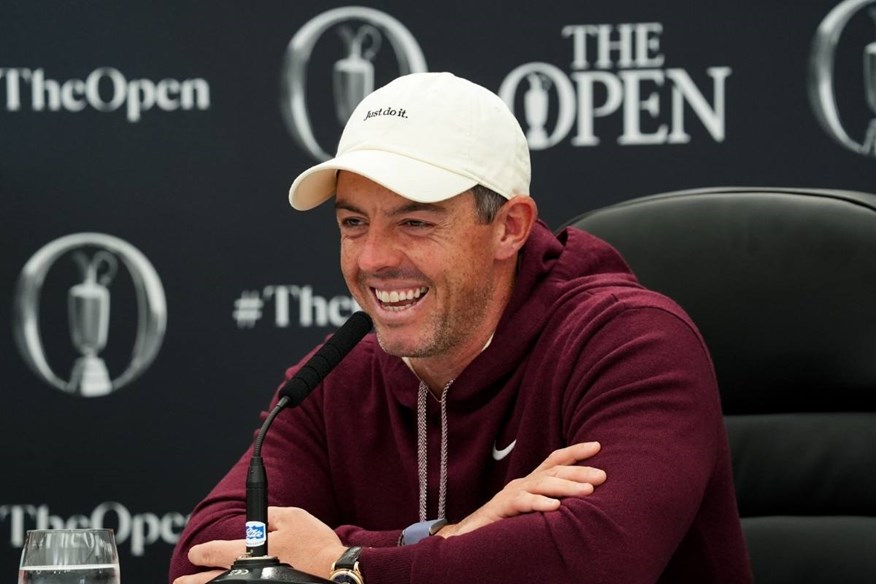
257 565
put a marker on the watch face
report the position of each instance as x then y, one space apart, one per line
345 578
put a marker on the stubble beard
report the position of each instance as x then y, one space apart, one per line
445 330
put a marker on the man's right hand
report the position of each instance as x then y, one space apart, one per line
539 491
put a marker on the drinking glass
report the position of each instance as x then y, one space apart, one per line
69 556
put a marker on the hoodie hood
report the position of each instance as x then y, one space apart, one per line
553 270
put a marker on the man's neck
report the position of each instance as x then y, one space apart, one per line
438 372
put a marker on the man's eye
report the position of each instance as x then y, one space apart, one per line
415 223
351 222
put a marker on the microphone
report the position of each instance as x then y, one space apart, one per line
328 356
257 565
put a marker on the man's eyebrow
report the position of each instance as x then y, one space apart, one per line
341 205
413 207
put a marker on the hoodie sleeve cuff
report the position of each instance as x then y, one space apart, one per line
352 535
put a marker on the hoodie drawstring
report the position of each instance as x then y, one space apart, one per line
423 454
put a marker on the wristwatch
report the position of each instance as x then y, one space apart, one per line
345 570
420 531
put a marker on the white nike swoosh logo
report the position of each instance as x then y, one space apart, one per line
500 454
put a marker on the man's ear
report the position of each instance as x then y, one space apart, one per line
514 220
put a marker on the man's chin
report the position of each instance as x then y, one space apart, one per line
397 347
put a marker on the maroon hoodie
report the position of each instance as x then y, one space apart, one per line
582 353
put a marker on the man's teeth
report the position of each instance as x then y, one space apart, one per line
394 296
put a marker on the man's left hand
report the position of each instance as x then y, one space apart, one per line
295 536
300 539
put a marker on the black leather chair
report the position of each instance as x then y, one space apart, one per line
782 284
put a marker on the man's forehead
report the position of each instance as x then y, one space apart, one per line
355 192
398 207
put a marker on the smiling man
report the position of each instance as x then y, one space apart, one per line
450 445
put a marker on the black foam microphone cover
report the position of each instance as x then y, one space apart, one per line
326 358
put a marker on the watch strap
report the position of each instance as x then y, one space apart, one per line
348 559
346 568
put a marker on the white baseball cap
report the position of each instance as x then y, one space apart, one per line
427 137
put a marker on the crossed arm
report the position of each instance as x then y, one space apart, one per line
302 540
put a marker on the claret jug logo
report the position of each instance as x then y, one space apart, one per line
99 261
355 44
822 79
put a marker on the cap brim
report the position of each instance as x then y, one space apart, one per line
413 179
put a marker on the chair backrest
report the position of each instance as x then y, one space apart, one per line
782 284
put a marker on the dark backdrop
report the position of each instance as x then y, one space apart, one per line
156 144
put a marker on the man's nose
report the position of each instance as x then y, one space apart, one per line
379 251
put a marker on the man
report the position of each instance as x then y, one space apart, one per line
449 447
